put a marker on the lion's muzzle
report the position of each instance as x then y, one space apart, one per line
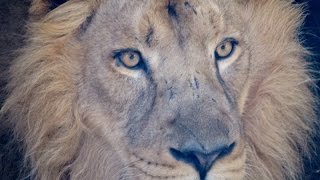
204 131
202 161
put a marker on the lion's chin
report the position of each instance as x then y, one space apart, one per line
146 169
152 174
158 173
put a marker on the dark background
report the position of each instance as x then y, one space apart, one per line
311 37
11 28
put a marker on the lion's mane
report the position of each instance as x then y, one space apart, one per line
43 109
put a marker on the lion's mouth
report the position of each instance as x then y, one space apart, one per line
156 170
154 176
151 163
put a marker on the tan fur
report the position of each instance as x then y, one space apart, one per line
276 103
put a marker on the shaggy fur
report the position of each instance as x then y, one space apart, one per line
276 103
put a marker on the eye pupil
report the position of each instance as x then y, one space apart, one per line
132 56
225 49
129 58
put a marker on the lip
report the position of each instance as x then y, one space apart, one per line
148 174
151 163
156 170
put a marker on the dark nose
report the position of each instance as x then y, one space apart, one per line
201 159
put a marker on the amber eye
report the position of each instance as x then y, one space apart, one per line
225 49
129 58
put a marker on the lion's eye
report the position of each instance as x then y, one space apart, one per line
225 49
129 58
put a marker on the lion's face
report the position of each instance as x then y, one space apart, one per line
162 89
164 79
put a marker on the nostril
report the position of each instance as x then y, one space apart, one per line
191 159
226 151
186 157
201 160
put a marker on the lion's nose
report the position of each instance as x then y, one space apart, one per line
199 158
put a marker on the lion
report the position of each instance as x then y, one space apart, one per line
162 89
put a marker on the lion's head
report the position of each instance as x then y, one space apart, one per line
170 89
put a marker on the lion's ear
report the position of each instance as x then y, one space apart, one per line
40 8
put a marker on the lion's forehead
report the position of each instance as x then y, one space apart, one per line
194 20
184 18
175 27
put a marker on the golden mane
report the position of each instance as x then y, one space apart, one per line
42 106
280 117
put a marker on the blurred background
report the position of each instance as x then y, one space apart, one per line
311 38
